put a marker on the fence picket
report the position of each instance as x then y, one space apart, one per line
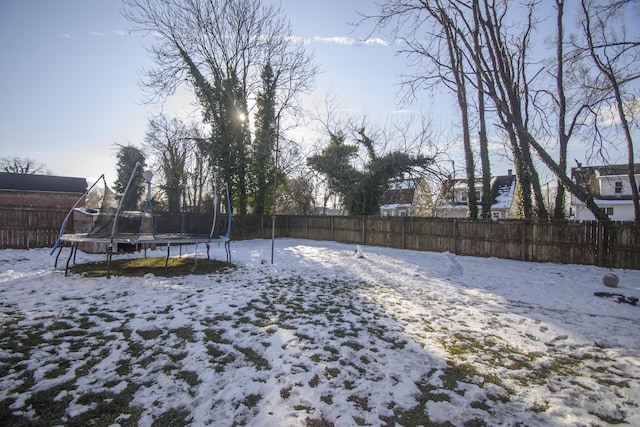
566 242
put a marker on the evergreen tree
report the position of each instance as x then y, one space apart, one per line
362 190
128 156
262 159
230 137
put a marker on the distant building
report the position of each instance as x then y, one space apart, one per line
453 199
408 197
26 190
611 190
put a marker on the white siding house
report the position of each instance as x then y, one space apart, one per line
453 199
610 187
408 197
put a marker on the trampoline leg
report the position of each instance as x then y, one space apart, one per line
66 270
166 261
55 265
227 248
109 254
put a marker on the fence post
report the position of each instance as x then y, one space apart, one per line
404 233
333 230
362 238
523 240
454 245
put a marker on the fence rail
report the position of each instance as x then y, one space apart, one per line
565 242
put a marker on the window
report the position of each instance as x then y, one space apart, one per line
618 187
608 211
495 215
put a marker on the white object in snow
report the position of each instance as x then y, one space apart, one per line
610 280
359 253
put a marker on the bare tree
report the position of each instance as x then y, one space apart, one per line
220 48
616 58
169 145
503 68
22 165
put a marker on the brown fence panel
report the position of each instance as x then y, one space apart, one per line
624 245
558 241
348 229
320 228
30 227
244 227
298 227
435 235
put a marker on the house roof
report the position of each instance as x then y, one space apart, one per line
399 197
587 178
502 190
47 183
399 193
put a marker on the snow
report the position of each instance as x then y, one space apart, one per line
352 335
505 196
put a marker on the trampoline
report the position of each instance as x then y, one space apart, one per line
114 229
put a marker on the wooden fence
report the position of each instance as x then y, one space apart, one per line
31 227
564 242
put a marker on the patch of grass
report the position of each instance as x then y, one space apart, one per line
557 365
331 372
313 382
219 358
309 422
190 377
149 334
252 400
327 398
138 267
185 333
609 418
285 392
47 406
251 356
215 336
356 346
172 417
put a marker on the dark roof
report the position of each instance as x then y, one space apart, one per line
28 182
501 185
399 197
586 177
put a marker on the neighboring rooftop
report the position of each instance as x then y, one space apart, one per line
48 183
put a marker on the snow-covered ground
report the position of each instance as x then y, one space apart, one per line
322 337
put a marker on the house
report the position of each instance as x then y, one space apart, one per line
453 199
407 197
21 190
610 187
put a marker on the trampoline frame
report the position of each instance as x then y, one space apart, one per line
142 239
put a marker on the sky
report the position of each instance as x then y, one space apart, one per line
72 71
325 333
71 74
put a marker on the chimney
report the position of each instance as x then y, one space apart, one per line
509 172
